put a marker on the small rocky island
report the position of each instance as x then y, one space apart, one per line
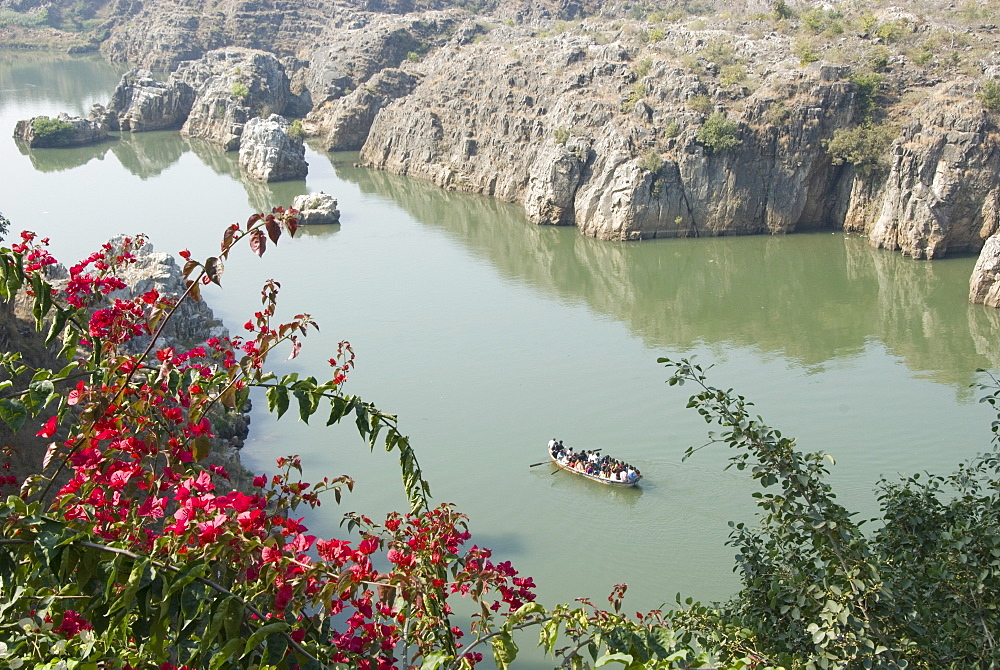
629 122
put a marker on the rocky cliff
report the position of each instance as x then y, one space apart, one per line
211 98
633 122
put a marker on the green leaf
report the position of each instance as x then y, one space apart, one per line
504 650
262 633
201 447
624 659
225 655
277 399
40 392
434 661
13 413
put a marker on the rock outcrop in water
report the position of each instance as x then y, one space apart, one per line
316 209
62 131
268 153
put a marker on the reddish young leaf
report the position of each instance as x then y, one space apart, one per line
257 241
194 290
273 229
214 268
252 220
291 223
227 238
296 348
49 454
189 267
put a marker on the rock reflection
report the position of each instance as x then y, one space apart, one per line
59 160
148 154
811 298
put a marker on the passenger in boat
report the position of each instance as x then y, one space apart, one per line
552 445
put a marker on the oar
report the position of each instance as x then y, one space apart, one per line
535 464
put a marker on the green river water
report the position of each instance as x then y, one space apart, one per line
488 336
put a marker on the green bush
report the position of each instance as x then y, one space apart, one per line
701 103
642 68
718 133
805 51
866 88
51 132
651 161
239 90
560 135
8 17
863 146
781 10
413 57
989 94
296 131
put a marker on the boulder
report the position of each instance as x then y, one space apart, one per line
62 131
268 153
316 208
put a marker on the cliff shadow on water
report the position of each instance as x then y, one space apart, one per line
809 297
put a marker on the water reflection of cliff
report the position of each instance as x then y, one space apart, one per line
58 160
261 197
811 298
148 154
71 81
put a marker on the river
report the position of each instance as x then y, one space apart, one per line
488 336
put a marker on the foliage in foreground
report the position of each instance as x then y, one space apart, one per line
128 552
819 592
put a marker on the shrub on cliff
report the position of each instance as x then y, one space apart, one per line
718 133
989 94
864 146
239 90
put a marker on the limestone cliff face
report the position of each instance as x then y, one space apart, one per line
984 285
559 130
142 103
211 98
625 126
942 190
350 118
233 85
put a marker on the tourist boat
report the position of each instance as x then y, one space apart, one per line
595 478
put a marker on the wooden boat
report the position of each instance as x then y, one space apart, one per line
595 478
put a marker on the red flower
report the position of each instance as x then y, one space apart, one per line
49 430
